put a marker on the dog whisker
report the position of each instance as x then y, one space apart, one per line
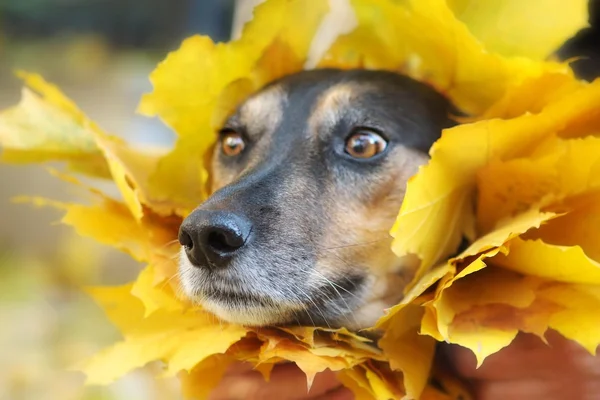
344 312
333 285
344 246
168 244
315 304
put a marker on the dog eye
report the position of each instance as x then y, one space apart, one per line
232 143
365 144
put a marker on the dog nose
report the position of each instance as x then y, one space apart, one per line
210 238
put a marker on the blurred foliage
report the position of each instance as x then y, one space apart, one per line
124 23
52 325
100 49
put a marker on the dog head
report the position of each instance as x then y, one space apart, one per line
308 177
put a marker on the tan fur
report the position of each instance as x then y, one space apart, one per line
331 103
260 112
320 246
263 111
358 232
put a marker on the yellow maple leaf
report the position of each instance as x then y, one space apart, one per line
157 294
109 222
184 338
485 323
91 132
577 317
189 83
555 170
36 131
407 350
445 187
518 179
534 29
558 263
424 39
513 177
578 227
483 306
52 128
517 100
198 383
373 382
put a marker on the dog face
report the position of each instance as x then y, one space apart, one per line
308 178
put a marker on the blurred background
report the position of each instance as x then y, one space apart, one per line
99 52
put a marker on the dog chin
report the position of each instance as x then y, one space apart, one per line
256 310
247 316
242 314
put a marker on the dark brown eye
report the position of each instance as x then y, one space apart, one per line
232 143
365 144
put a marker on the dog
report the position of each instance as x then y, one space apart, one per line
308 176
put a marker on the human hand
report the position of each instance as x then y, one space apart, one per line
528 369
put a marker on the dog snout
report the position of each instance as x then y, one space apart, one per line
211 238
